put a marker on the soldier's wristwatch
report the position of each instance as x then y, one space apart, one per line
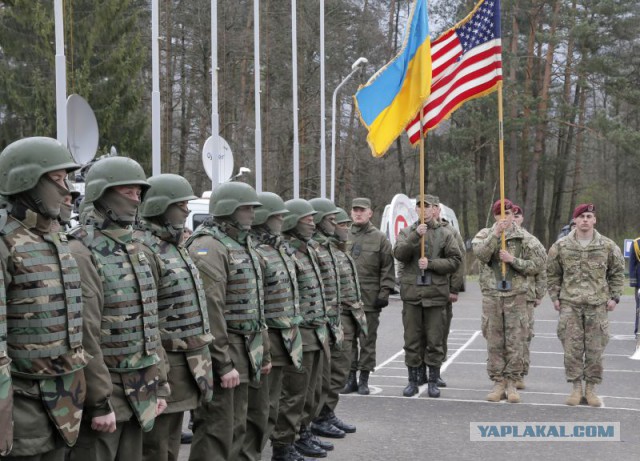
616 299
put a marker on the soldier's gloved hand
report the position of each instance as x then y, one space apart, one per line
379 303
161 406
106 423
230 380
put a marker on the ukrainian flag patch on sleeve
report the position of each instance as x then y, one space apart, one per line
202 251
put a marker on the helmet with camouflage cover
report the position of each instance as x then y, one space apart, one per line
298 209
228 197
342 216
166 189
324 207
272 204
110 172
23 162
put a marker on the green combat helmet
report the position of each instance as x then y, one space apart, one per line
228 197
113 171
298 209
166 189
272 204
324 207
342 216
23 162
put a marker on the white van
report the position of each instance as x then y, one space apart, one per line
198 212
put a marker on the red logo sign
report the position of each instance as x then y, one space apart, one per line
400 224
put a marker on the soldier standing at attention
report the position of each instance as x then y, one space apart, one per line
585 275
424 289
535 292
373 256
504 297
299 385
223 251
42 356
282 315
182 311
126 379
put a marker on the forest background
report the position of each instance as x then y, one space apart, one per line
572 98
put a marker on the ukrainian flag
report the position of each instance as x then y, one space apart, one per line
395 94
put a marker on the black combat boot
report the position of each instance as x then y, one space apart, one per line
306 446
441 382
337 422
434 374
363 383
422 375
351 385
412 387
323 427
285 453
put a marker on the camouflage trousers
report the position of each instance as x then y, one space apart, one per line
363 356
341 360
504 326
584 334
531 307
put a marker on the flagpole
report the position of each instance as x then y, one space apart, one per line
422 188
503 243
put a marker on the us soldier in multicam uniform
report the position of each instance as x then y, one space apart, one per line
325 221
282 315
126 379
535 292
585 275
41 281
372 253
300 385
222 249
425 301
504 311
182 311
352 320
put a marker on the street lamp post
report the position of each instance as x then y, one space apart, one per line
354 68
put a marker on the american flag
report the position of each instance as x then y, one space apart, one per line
466 64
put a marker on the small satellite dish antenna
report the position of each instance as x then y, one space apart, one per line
82 129
218 166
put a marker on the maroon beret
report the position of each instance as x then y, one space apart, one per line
508 205
517 209
584 208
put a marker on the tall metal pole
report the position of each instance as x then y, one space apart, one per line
323 144
155 92
215 122
294 84
61 76
256 71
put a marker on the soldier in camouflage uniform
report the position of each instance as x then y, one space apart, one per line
282 315
299 385
535 292
222 249
504 308
182 311
352 320
425 298
126 379
585 276
372 253
42 298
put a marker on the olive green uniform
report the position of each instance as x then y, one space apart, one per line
456 285
232 278
424 306
373 256
584 279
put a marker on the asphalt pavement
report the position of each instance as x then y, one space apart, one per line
392 427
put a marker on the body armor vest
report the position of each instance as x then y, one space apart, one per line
3 321
312 306
329 272
281 301
244 281
514 246
182 306
348 281
129 331
43 304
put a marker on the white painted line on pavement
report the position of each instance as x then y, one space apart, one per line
391 359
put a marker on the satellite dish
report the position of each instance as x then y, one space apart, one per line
82 130
218 166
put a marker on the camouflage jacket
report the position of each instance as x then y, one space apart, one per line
372 253
537 286
6 389
529 260
234 313
588 275
444 259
